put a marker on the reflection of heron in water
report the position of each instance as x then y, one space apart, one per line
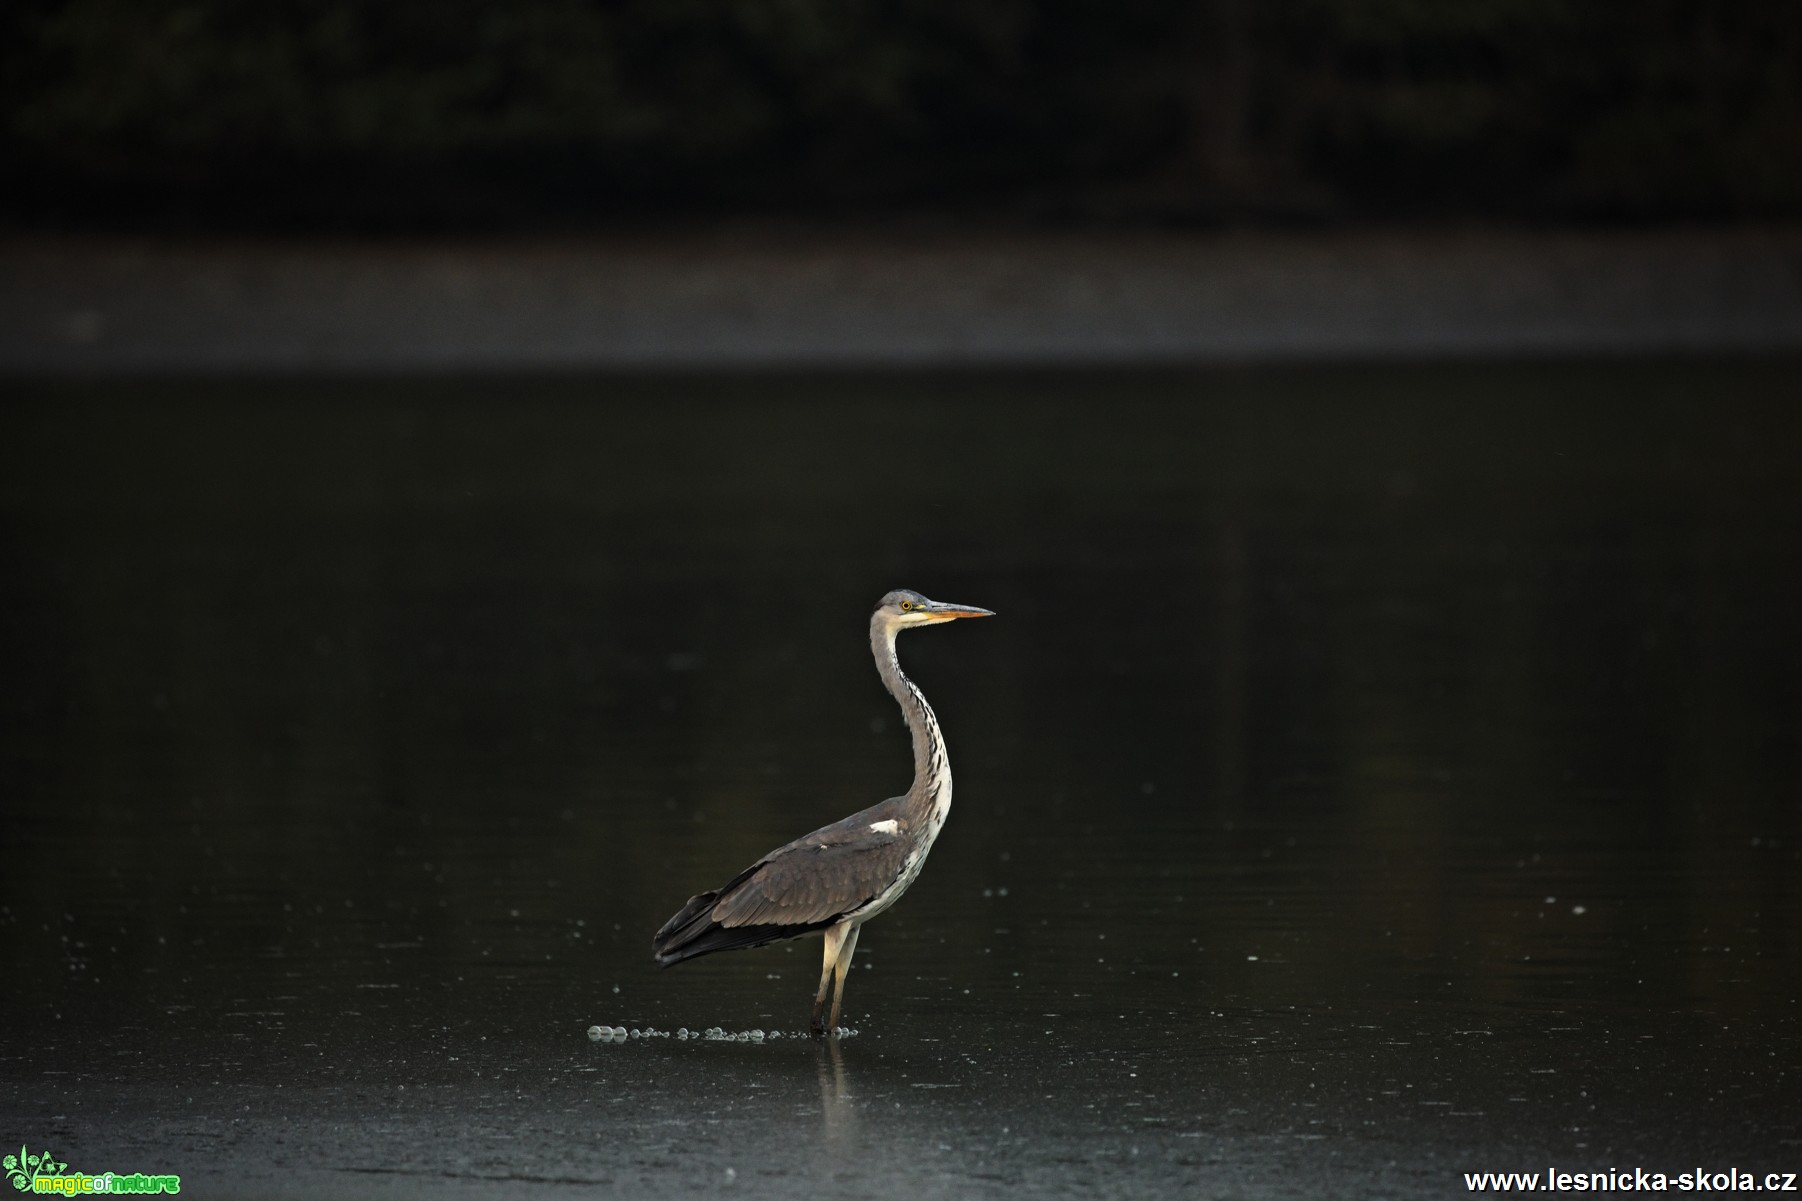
838 1116
833 880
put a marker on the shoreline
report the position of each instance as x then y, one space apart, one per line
746 299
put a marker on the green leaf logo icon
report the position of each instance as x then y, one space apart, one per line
23 1168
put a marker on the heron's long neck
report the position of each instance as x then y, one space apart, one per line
931 791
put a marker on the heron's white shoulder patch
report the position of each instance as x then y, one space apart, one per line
887 827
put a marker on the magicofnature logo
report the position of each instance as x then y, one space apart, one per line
46 1174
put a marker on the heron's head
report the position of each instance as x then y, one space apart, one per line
902 609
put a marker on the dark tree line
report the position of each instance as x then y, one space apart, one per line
384 112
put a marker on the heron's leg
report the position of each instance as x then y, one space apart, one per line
835 937
844 966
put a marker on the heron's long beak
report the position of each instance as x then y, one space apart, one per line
945 611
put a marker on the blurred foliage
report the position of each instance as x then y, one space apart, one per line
354 112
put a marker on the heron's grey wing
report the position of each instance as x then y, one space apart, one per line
815 879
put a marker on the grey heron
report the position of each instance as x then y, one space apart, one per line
840 876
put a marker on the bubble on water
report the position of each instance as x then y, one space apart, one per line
607 1034
719 1034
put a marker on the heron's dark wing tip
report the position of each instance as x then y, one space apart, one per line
714 937
689 922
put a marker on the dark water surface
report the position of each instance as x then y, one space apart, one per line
1373 775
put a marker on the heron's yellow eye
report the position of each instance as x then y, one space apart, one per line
906 605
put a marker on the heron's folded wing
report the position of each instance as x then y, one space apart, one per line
814 880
